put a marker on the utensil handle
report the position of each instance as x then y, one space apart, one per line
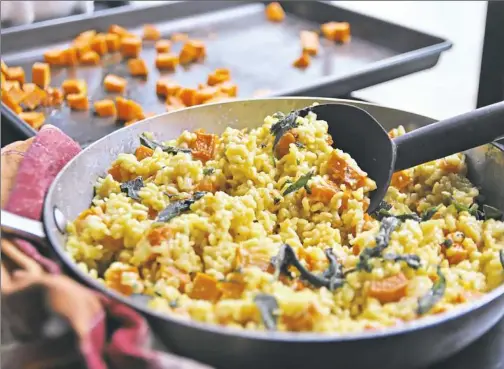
450 136
24 228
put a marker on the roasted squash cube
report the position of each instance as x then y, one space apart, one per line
113 83
78 101
163 46
137 67
151 33
275 12
336 31
105 108
74 86
99 44
131 46
166 61
41 75
128 110
15 74
90 58
113 42
33 118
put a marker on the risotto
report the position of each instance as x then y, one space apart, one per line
268 229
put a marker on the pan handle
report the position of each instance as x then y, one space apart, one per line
24 228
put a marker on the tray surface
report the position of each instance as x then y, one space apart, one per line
237 36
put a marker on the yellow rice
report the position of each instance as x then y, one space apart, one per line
252 215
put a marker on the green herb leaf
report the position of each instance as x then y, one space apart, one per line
151 144
387 226
173 304
300 145
447 243
208 171
332 278
412 260
426 302
473 209
300 183
429 213
276 200
268 307
132 187
284 125
176 208
491 213
501 257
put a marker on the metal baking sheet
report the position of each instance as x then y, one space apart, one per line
238 36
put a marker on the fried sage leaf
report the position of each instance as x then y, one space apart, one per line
284 125
429 213
426 302
491 213
383 211
268 307
208 171
132 187
501 257
178 207
299 184
332 278
387 226
412 260
151 144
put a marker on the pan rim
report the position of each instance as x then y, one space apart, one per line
285 337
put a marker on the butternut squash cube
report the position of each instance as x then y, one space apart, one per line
33 118
275 12
188 96
303 61
131 46
70 56
7 100
85 37
137 67
205 94
113 42
228 88
41 75
9 85
118 30
336 31
113 83
179 37
4 67
165 87
151 33
166 61
34 96
81 48
163 46
193 50
309 42
219 75
128 110
105 108
174 103
54 57
90 58
74 86
15 74
99 44
78 101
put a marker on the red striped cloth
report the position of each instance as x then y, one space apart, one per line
32 301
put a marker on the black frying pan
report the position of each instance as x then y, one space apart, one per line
415 344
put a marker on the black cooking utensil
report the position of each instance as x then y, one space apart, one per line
356 132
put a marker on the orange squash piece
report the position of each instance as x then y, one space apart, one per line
9 85
113 83
15 74
33 118
336 31
206 185
99 44
203 148
193 50
321 193
183 278
16 93
303 61
188 96
41 75
174 103
143 152
159 234
70 56
54 57
90 58
54 96
205 288
218 76
165 87
114 279
151 33
85 36
179 37
166 61
113 42
116 172
310 42
205 94
34 96
275 12
137 67
4 67
81 47
118 30
340 172
228 88
78 101
232 288
7 100
283 146
131 46
105 108
163 46
74 86
128 110
456 253
390 289
401 179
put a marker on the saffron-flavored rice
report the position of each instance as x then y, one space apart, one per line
267 229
